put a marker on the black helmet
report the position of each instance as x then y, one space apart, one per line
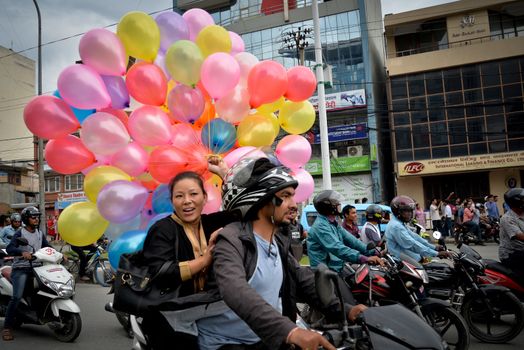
374 212
28 212
328 202
400 203
251 181
515 198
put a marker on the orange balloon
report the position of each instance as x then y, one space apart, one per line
167 161
208 114
148 181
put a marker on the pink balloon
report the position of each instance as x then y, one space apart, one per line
234 106
214 198
150 126
293 151
132 159
246 61
103 133
306 185
120 201
49 117
82 87
103 51
120 114
237 43
68 155
186 104
266 83
196 19
237 154
184 134
147 84
301 84
220 73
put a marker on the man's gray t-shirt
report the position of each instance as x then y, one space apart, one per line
510 225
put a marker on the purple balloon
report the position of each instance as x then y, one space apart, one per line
196 19
186 104
172 27
120 201
116 86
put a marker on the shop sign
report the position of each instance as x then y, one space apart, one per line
351 187
458 164
342 133
340 165
342 100
72 196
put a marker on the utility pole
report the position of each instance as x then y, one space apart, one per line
297 39
41 179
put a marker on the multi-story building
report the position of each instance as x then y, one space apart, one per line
456 75
18 181
353 49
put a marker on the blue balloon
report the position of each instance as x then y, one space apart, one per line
219 136
80 114
129 242
156 218
162 199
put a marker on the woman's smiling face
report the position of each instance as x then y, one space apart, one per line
188 200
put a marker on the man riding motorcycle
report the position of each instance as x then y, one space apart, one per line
511 249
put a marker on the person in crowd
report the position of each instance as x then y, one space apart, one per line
4 221
459 211
51 229
298 234
371 230
21 271
196 234
257 277
447 226
402 240
8 231
357 201
83 257
434 214
420 216
349 223
364 200
484 219
492 208
472 219
511 248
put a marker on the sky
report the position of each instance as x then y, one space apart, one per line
64 21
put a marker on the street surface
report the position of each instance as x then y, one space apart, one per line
101 329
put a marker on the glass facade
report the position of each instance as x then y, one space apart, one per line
474 109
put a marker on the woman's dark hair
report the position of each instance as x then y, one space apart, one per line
347 209
183 176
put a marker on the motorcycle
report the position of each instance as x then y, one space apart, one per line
461 233
493 313
491 232
403 281
501 275
49 302
391 326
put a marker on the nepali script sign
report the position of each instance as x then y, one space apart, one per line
342 100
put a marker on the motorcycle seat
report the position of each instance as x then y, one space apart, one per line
6 272
497 266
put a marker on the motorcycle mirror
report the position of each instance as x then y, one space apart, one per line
22 241
371 245
437 235
324 285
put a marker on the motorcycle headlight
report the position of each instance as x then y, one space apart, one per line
64 290
424 275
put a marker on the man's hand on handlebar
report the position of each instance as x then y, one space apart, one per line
375 260
308 340
443 254
355 312
27 255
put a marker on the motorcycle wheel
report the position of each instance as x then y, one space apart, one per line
499 328
70 329
449 325
103 273
124 320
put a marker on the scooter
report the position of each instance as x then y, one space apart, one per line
49 301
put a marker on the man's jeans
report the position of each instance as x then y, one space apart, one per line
474 228
19 278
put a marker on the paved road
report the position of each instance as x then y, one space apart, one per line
102 331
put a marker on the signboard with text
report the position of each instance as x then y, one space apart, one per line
351 187
468 163
342 133
340 165
67 198
342 100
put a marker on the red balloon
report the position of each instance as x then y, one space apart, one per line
301 84
68 155
266 83
49 117
147 84
167 161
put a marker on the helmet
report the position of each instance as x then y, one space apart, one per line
28 212
251 181
328 202
515 198
400 203
374 212
16 217
479 206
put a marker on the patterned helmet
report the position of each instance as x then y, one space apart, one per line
251 181
29 212
400 203
15 217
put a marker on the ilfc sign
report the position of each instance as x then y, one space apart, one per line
457 164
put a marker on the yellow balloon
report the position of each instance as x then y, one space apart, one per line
297 117
274 119
140 35
271 107
99 177
213 39
183 61
256 130
81 224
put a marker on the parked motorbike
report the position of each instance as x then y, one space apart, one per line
501 275
491 232
49 302
461 233
493 313
402 281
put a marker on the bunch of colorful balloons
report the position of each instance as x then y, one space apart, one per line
194 92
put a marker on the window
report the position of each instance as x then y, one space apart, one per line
14 179
440 152
404 156
436 109
472 96
477 148
401 119
418 110
452 80
458 151
476 131
422 153
74 182
420 135
490 74
398 88
471 77
492 93
52 184
439 134
402 138
416 85
434 82
457 132
509 70
497 127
